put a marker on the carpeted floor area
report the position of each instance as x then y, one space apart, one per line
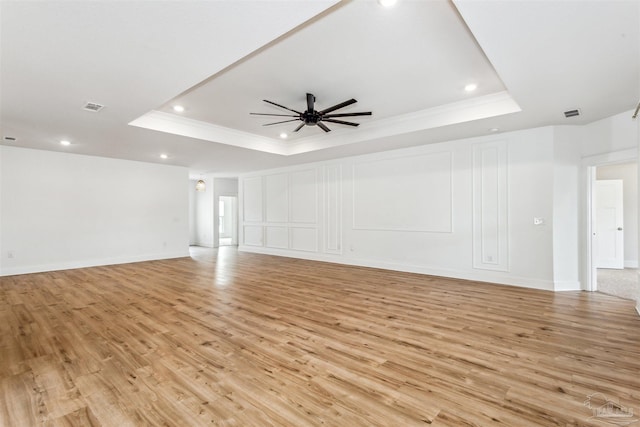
620 283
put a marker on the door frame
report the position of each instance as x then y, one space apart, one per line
589 165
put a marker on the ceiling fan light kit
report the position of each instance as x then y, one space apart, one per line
312 117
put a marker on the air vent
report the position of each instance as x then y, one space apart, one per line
92 106
572 113
10 138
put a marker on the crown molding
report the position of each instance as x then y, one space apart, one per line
477 108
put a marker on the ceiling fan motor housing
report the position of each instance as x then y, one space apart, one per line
310 118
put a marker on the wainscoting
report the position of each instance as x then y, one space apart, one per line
461 209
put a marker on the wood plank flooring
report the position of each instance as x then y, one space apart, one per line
236 339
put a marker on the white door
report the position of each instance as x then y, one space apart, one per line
608 215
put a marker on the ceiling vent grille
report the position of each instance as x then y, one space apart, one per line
10 138
572 113
92 106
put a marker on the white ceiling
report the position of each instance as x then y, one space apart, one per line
408 65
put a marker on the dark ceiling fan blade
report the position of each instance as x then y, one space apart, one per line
340 122
312 117
323 127
278 115
281 106
338 106
330 116
277 123
310 100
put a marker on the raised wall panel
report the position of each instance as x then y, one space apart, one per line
252 199
404 194
252 235
277 237
333 209
490 206
304 196
304 239
277 197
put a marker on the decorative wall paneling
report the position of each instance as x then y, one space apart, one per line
280 211
276 198
333 209
252 199
404 194
490 206
396 210
304 196
252 235
277 237
304 239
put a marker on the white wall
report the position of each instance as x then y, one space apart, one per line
191 189
62 211
459 209
566 208
609 135
628 173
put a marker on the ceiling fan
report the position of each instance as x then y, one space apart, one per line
311 117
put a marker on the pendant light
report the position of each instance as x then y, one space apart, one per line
200 185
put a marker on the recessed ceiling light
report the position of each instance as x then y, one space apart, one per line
494 130
283 135
387 3
65 142
178 108
470 87
164 156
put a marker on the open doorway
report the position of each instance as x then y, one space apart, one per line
614 214
228 221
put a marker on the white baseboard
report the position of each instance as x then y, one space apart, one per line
567 285
501 278
29 269
630 263
204 245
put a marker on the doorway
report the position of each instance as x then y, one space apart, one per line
614 226
228 221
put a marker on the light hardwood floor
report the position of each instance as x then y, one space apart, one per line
236 339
